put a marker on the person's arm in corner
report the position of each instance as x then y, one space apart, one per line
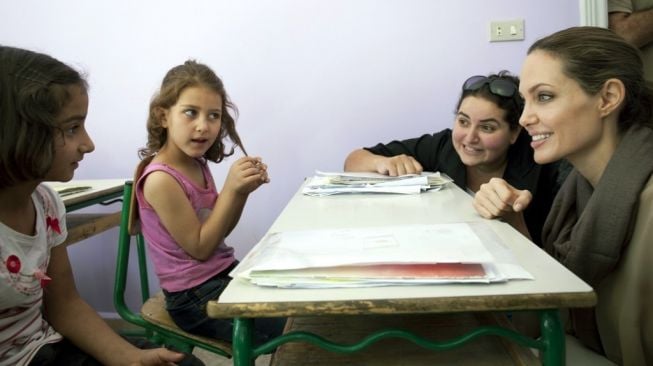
636 27
361 160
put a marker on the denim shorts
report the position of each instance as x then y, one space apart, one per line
188 310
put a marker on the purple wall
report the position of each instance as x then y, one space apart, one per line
313 80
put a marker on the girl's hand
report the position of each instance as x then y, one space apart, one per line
246 175
158 357
497 198
398 165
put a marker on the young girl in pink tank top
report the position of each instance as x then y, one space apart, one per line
183 218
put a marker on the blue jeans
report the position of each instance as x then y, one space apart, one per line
188 310
66 353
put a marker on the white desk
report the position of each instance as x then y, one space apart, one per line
554 286
82 226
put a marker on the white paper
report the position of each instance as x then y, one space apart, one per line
406 244
329 183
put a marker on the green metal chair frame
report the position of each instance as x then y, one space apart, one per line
155 333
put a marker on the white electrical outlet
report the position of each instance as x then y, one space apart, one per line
507 30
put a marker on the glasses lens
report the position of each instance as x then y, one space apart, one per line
474 82
502 88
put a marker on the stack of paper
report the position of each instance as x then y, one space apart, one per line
397 255
371 275
325 183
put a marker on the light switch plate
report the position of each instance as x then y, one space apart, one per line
507 30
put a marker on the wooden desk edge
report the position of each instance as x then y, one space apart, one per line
216 309
83 226
78 202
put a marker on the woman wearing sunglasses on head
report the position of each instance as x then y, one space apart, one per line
486 142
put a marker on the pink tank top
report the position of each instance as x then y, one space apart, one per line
176 269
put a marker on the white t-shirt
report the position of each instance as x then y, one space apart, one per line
23 263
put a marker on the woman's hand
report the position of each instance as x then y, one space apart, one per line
497 198
158 357
397 165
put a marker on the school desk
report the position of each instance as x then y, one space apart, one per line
553 288
78 194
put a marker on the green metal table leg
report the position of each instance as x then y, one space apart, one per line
242 342
553 337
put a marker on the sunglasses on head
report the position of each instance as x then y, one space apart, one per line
499 87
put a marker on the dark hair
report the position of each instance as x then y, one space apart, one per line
512 105
190 74
33 90
591 56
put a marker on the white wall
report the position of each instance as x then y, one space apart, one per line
313 79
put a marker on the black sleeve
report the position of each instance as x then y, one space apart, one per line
429 150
